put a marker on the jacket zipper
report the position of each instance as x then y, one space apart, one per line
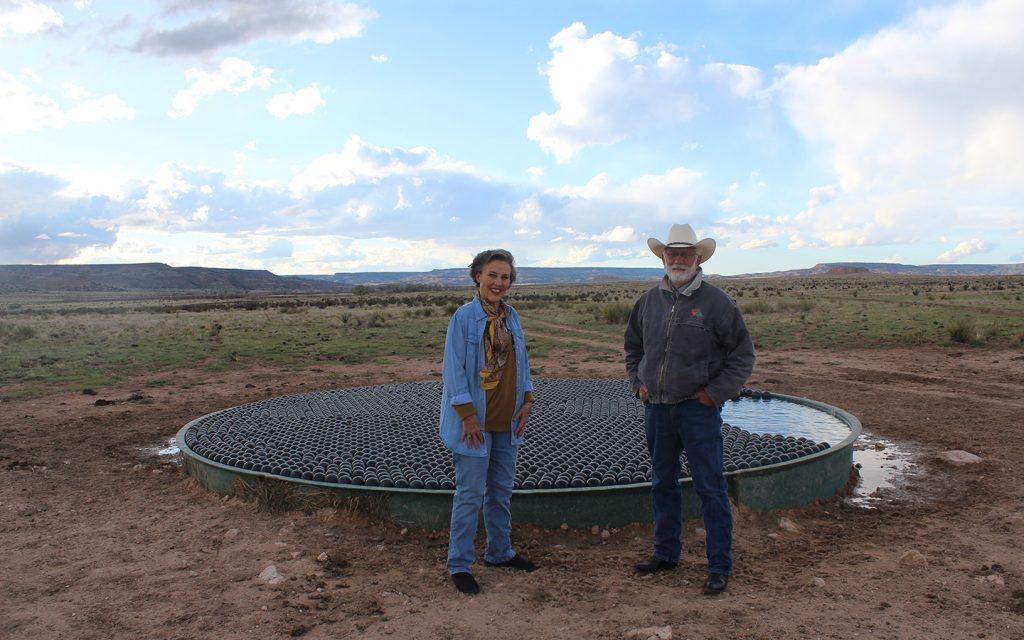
668 344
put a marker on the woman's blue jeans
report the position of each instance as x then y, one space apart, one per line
484 481
696 429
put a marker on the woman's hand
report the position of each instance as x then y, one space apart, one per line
522 416
472 432
642 393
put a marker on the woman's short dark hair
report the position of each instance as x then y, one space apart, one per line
477 266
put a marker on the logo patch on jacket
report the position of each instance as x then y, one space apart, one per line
696 313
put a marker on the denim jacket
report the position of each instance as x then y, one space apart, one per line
460 372
679 342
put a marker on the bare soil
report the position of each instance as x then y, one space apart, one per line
102 538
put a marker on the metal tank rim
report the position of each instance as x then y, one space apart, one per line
785 485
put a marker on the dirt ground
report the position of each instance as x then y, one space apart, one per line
102 538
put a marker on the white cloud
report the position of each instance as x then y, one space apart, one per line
359 161
22 110
606 88
225 23
573 255
401 202
529 216
107 108
26 17
618 234
75 92
742 81
823 194
232 75
762 243
676 194
379 58
39 224
929 99
729 202
166 186
892 259
529 212
95 181
963 250
921 121
301 102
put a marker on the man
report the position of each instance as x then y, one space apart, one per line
687 352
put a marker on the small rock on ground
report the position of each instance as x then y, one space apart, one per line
651 633
913 558
271 575
958 458
788 525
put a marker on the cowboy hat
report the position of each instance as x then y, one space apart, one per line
682 235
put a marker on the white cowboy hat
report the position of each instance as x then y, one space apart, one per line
682 235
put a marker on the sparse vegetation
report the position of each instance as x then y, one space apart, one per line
961 330
89 340
614 313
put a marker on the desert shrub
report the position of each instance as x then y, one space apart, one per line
377 319
614 313
758 306
961 329
420 312
986 331
12 333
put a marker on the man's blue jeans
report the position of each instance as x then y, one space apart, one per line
696 429
486 482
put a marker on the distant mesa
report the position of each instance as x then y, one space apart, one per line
449 278
155 276
842 271
893 269
23 278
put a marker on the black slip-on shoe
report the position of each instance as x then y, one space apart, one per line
654 564
715 584
515 562
465 583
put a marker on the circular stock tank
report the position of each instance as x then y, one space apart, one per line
584 461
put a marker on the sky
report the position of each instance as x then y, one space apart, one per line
323 136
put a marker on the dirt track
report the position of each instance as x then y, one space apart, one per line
104 539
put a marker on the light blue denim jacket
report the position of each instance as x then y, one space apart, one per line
460 372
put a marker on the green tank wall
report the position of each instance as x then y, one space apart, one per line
780 486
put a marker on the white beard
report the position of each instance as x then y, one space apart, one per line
679 276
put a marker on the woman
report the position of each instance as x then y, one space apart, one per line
485 405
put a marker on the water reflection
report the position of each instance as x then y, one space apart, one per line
880 462
787 418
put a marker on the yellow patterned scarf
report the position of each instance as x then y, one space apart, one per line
497 345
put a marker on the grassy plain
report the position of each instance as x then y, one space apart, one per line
74 341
